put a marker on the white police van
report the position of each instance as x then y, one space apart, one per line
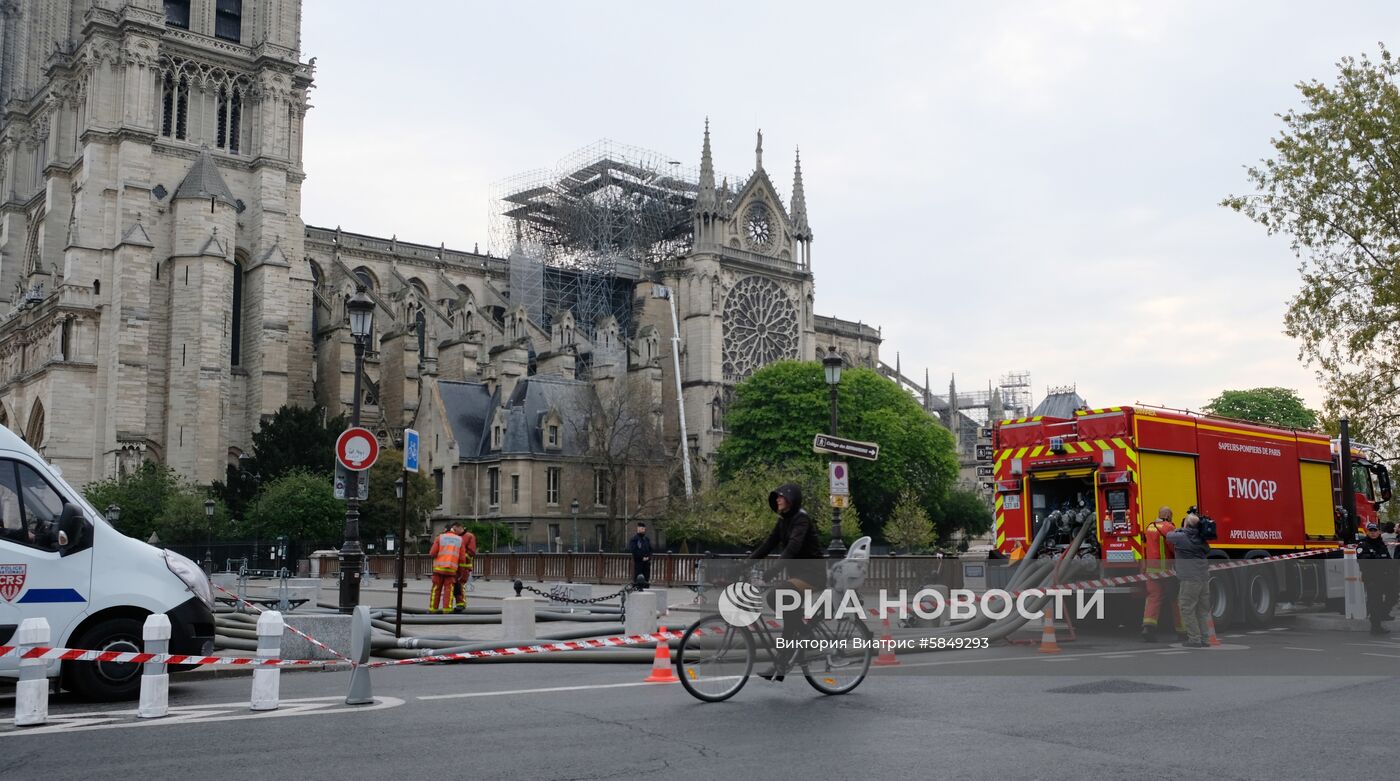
60 559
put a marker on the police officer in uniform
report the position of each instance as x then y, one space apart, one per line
1378 574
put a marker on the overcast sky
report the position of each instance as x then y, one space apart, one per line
1008 186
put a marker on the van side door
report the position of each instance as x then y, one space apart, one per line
37 578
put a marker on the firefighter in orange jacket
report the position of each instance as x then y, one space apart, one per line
1158 553
464 572
446 554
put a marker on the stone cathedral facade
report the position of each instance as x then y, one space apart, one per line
160 295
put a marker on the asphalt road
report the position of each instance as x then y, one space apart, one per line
1271 705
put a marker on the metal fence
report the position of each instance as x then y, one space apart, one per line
667 569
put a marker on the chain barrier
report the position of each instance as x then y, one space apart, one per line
557 594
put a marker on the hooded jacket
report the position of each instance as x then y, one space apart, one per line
794 535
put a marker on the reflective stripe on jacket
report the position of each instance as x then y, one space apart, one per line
1156 549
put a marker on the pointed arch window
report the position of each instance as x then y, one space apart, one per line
175 102
230 118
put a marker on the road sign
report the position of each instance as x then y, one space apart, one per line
410 450
845 447
345 477
357 449
984 452
984 471
987 485
840 500
840 478
986 432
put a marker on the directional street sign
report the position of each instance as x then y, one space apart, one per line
987 486
984 452
984 471
840 475
357 448
410 450
845 447
986 432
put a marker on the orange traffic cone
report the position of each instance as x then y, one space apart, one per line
661 670
886 657
1047 634
1211 639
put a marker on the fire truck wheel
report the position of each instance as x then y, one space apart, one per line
1224 599
1259 592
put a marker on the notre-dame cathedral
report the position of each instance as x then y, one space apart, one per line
160 295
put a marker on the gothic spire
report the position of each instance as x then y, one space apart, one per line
758 152
705 200
800 229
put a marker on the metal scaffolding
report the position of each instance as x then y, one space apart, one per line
580 234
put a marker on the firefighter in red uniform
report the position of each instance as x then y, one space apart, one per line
447 554
1158 553
464 573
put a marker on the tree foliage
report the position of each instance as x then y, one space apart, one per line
778 410
908 526
379 514
299 504
1333 186
293 439
1271 406
155 500
734 515
962 510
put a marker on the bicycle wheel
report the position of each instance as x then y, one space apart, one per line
843 657
715 659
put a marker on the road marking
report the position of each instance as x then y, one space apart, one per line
1299 648
1257 632
197 714
1119 656
1388 656
1232 635
1172 653
1279 629
548 690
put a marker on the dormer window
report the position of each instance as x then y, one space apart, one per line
496 432
552 439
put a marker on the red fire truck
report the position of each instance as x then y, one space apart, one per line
1270 491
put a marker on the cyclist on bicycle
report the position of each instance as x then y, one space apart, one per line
795 537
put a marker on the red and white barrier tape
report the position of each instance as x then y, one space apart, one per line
289 627
80 655
522 650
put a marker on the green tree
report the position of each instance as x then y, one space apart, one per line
379 515
908 526
735 514
155 500
1271 406
1332 187
298 504
294 438
962 510
779 408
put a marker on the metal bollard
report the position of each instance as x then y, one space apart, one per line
1354 601
32 691
267 681
155 679
361 693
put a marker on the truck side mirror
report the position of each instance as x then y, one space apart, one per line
1383 482
74 529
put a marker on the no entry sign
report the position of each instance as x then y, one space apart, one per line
357 449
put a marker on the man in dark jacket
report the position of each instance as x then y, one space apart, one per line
1378 575
794 536
640 548
1193 573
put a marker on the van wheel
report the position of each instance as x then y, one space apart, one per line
107 681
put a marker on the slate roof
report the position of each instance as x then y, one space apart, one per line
1059 405
470 411
205 181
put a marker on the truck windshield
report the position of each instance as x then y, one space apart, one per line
1361 481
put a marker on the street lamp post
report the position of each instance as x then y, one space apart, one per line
352 558
832 364
209 540
573 508
113 514
401 491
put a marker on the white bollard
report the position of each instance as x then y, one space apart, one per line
267 680
641 613
942 619
155 678
1355 595
518 619
32 691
